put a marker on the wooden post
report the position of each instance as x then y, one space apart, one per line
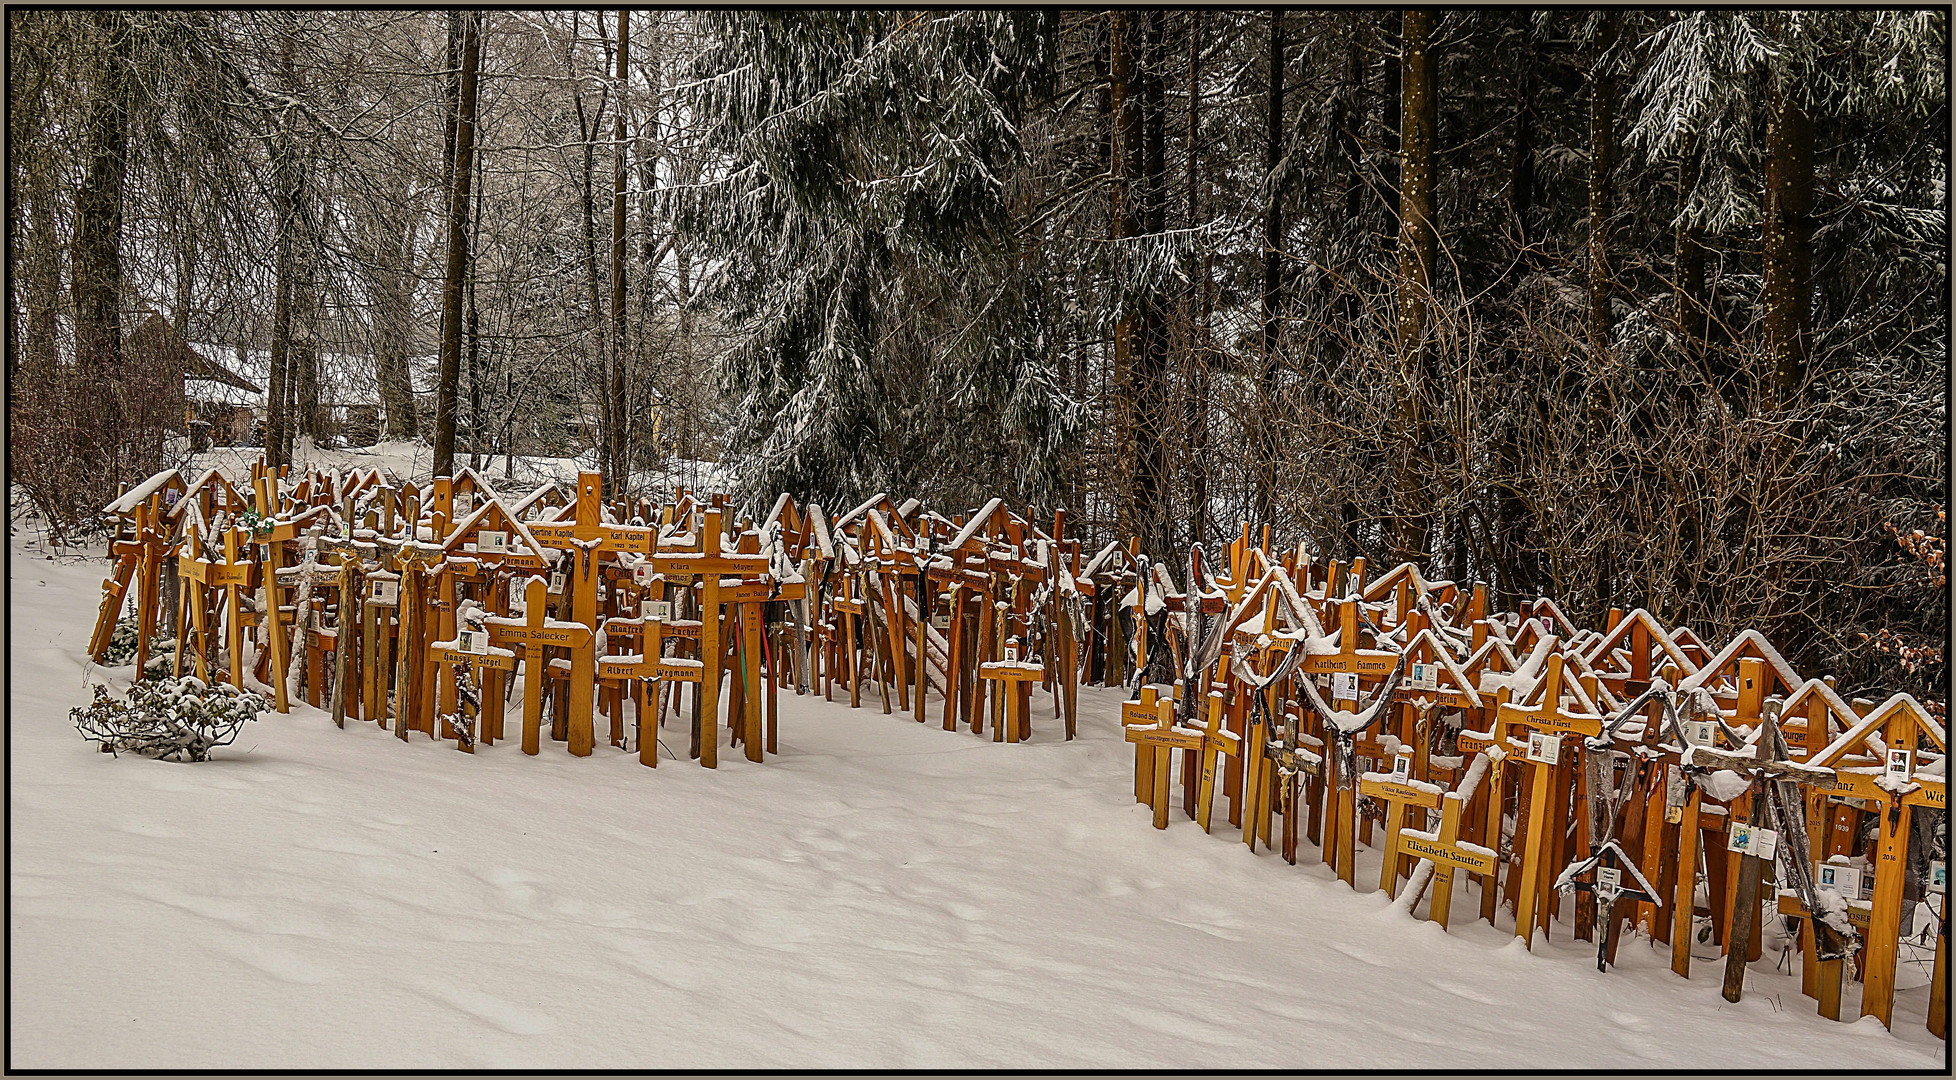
1884 927
1683 903
1217 742
1531 860
1141 712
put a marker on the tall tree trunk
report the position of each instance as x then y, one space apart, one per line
287 176
475 327
458 249
1273 239
305 372
618 477
392 278
1195 419
1347 121
1392 29
41 289
587 193
1603 375
1418 245
1521 169
1419 119
1786 242
1688 256
1125 160
1151 373
651 254
96 259
1602 195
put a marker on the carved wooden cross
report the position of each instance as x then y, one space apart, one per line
1448 853
650 662
1141 712
1550 721
708 562
1290 760
450 655
1397 793
585 538
1164 738
539 633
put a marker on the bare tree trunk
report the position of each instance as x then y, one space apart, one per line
1196 409
286 180
1786 241
96 268
393 282
1125 160
1600 404
618 475
41 286
458 249
1602 195
475 328
1273 271
1392 25
1688 290
587 193
1151 371
1418 244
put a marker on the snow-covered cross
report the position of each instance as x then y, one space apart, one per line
539 633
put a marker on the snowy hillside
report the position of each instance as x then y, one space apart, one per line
885 894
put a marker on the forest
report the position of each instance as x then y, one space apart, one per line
1631 308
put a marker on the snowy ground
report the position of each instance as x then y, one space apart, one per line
882 894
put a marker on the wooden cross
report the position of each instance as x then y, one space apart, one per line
1141 713
650 662
1605 865
706 561
586 537
449 655
536 632
348 639
1904 726
848 605
1448 853
1397 794
1290 760
195 573
233 575
1548 718
1218 742
413 704
137 558
1164 738
1014 679
309 572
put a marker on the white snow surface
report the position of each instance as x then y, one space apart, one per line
882 894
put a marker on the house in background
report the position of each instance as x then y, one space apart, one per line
217 406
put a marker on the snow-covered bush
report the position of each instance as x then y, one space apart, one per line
122 643
181 719
122 646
